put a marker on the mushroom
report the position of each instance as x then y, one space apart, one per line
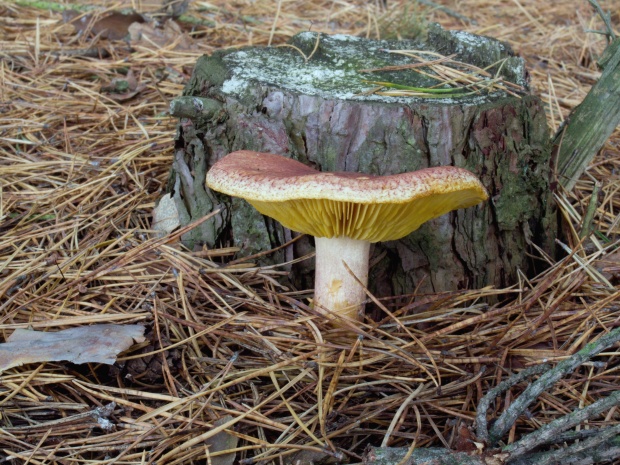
345 212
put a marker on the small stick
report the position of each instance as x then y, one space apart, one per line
591 447
549 432
531 393
484 404
611 35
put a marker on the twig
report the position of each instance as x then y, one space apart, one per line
484 404
611 35
590 450
531 393
590 123
547 433
99 414
572 436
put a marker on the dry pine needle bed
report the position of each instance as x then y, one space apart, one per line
232 358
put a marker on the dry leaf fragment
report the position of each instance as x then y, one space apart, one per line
166 216
609 266
464 440
147 36
221 442
114 26
121 89
311 457
175 8
86 344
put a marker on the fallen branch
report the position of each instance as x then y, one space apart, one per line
591 123
590 446
531 393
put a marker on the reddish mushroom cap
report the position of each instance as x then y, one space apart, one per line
359 206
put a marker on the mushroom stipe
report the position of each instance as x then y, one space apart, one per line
345 212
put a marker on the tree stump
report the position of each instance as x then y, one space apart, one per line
308 100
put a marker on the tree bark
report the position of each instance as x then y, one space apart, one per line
307 101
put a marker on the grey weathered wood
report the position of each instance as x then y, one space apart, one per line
602 452
422 456
312 107
591 123
598 445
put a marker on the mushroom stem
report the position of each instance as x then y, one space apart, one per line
336 291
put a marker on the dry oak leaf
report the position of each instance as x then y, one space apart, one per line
121 89
86 344
170 36
114 26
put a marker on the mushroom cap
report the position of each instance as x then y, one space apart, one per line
355 205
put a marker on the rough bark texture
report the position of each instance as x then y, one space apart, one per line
602 453
591 123
276 99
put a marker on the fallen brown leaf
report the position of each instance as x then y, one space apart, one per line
165 216
171 34
114 26
464 440
609 265
86 344
221 442
121 89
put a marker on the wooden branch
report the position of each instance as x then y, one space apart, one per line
596 449
591 123
606 17
548 432
510 415
600 447
427 456
483 406
195 107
